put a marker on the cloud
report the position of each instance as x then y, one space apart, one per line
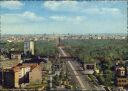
60 5
58 18
11 4
25 17
113 11
109 11
26 22
72 19
80 7
32 16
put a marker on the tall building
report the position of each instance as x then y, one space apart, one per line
32 47
29 47
127 36
26 47
0 44
0 35
58 42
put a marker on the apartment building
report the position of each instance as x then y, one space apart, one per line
21 75
121 76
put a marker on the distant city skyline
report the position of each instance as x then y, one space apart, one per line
63 17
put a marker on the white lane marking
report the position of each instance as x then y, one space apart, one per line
78 78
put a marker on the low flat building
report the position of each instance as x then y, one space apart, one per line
90 68
120 71
15 55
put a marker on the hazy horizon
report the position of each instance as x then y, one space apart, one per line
70 34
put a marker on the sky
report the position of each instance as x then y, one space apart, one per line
62 17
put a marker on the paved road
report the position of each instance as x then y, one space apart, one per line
90 85
81 78
74 71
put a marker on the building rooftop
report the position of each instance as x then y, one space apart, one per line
15 52
9 63
120 68
19 66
